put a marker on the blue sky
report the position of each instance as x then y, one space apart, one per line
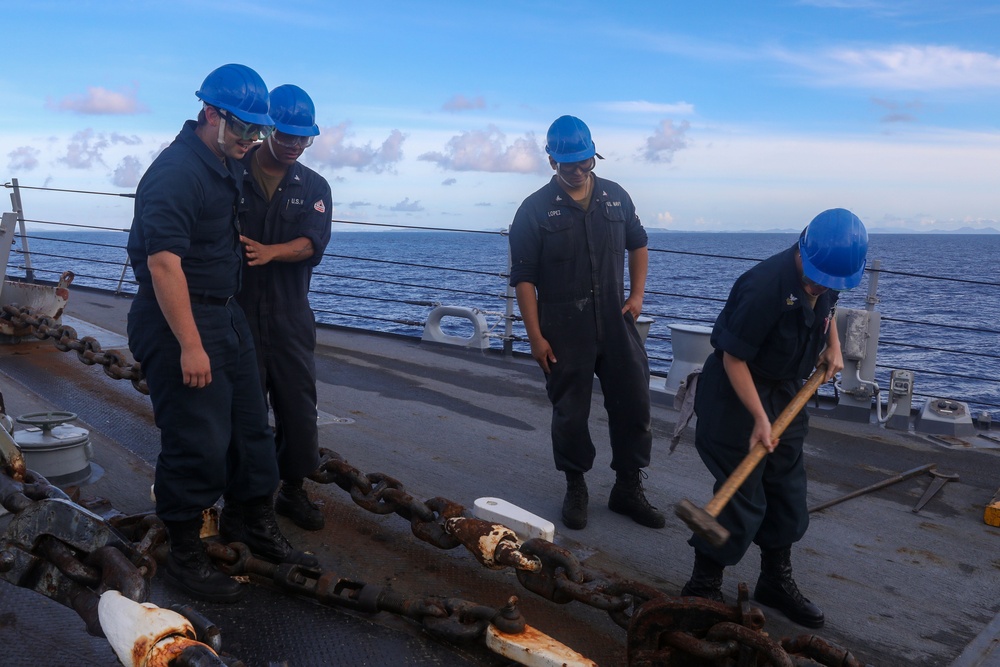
714 115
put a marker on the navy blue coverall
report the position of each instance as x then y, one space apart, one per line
214 440
275 297
767 322
575 258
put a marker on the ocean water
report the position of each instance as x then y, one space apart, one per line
939 295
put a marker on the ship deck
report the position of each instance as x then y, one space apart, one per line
898 587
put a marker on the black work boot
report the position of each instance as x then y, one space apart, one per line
190 569
574 509
628 498
293 502
253 523
776 588
706 579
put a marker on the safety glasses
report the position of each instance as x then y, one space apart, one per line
244 130
291 140
584 167
812 286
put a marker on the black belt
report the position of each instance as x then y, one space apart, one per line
147 292
210 300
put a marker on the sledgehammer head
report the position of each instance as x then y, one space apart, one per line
702 523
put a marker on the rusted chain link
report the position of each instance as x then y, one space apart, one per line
57 548
87 349
542 567
663 631
60 550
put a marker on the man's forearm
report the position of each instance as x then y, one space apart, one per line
527 303
638 267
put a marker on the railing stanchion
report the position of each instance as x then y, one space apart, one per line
15 200
508 329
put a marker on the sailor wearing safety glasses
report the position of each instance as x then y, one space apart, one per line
286 227
569 242
193 342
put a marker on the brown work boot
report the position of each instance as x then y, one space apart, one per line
574 508
776 588
627 498
253 523
190 569
706 579
293 502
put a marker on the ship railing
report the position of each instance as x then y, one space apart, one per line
356 286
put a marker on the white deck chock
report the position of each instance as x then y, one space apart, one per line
480 328
521 521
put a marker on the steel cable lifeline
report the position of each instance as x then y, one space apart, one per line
409 322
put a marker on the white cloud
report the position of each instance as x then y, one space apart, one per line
487 150
101 101
407 206
132 140
667 139
903 67
463 103
659 109
24 158
84 150
332 149
128 172
898 112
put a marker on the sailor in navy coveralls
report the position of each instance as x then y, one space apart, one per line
777 325
286 228
568 246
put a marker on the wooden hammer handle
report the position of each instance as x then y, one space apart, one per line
759 451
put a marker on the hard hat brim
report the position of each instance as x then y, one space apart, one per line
579 156
297 130
839 283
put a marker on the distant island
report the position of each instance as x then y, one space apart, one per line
872 230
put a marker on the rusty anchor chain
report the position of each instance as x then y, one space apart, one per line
59 549
663 631
541 566
88 350
451 619
72 554
676 632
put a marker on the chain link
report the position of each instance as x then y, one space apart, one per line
88 350
664 631
541 566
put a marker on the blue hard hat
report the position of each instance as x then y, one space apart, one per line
568 140
834 249
293 111
239 90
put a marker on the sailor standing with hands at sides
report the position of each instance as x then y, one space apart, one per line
286 227
192 339
777 325
568 244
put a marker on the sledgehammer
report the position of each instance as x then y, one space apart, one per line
703 521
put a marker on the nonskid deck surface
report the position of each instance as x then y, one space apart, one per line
897 587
